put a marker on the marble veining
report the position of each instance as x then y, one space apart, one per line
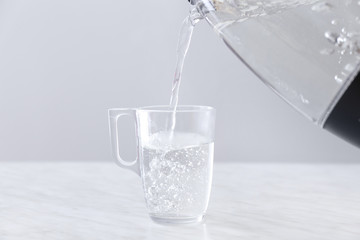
79 200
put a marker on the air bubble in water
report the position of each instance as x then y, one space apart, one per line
338 79
341 40
154 164
349 67
335 22
304 100
327 51
175 182
332 37
152 190
357 19
322 6
346 41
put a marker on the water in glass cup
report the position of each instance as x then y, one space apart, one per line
177 172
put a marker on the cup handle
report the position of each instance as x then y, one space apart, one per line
114 115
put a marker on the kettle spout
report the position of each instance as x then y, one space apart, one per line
193 2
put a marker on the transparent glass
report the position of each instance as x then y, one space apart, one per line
175 166
307 51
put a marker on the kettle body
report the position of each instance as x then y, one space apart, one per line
306 51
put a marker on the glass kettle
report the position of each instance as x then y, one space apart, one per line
306 51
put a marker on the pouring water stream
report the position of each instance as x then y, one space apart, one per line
185 35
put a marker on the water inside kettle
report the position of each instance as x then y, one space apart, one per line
306 51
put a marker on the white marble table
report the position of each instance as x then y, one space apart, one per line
249 201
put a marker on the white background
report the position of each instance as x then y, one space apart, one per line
64 63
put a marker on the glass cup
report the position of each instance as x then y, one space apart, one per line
174 161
